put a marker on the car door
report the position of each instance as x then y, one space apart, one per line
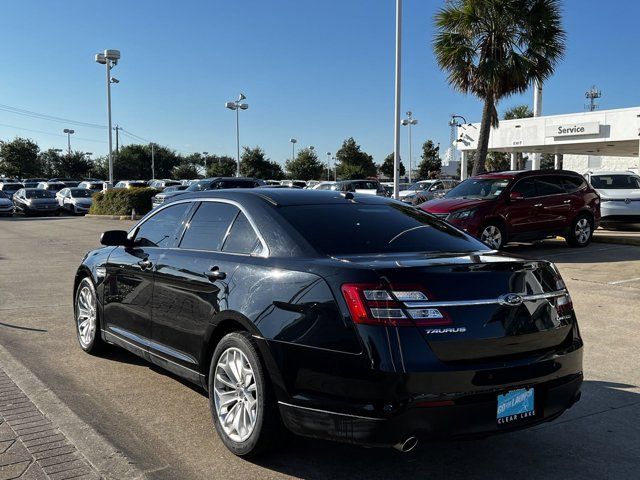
521 214
555 204
193 283
129 279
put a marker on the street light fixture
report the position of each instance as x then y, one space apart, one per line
409 121
109 58
328 167
237 106
204 155
293 148
69 132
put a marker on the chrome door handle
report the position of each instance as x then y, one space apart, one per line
215 274
538 205
145 264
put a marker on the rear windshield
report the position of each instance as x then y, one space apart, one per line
615 182
12 187
39 193
357 229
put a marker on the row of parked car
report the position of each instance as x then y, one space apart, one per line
496 207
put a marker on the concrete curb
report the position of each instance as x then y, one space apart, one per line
114 217
618 240
103 456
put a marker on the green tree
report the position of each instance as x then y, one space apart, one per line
19 158
497 161
431 163
305 166
254 163
548 161
76 165
185 171
386 169
133 162
496 48
100 168
221 166
353 162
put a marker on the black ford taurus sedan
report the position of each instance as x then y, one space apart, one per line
346 317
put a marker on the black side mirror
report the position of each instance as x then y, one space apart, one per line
115 238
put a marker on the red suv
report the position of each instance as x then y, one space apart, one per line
505 206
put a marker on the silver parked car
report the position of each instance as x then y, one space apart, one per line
76 200
431 189
6 205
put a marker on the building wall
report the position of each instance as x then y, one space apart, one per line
584 163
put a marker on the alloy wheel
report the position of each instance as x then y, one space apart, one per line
235 395
492 236
86 315
582 231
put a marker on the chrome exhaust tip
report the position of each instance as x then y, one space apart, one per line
407 445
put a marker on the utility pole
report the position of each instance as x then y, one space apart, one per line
153 159
396 113
117 139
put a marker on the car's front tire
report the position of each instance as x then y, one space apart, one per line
581 231
240 398
86 317
493 235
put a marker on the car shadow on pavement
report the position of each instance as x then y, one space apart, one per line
594 439
558 251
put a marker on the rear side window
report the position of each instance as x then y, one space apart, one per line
160 229
549 185
242 238
209 226
361 229
572 184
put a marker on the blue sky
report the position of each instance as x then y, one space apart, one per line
319 71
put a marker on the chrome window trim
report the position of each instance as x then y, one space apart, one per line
265 248
487 301
535 177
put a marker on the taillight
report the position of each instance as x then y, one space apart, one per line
372 305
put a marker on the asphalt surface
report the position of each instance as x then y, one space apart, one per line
164 426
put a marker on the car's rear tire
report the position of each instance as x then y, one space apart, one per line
581 231
87 318
241 400
493 235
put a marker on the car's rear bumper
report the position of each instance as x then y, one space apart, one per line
470 416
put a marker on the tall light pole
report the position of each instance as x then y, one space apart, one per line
396 113
237 106
408 122
204 155
69 132
328 167
293 148
153 162
110 59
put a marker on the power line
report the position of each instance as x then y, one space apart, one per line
50 133
51 118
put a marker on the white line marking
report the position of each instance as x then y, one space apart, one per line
618 282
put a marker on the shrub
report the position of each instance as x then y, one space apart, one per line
121 201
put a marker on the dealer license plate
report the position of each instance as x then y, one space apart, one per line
515 405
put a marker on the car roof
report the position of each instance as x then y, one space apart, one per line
612 172
524 173
286 196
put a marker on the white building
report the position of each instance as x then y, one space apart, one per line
599 140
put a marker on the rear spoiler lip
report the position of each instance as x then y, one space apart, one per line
489 301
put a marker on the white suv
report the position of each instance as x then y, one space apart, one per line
619 195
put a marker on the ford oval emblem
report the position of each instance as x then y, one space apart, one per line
510 300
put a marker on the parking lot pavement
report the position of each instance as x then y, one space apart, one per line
164 426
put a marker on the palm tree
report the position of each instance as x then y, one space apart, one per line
495 48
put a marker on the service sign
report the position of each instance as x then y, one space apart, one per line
572 129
